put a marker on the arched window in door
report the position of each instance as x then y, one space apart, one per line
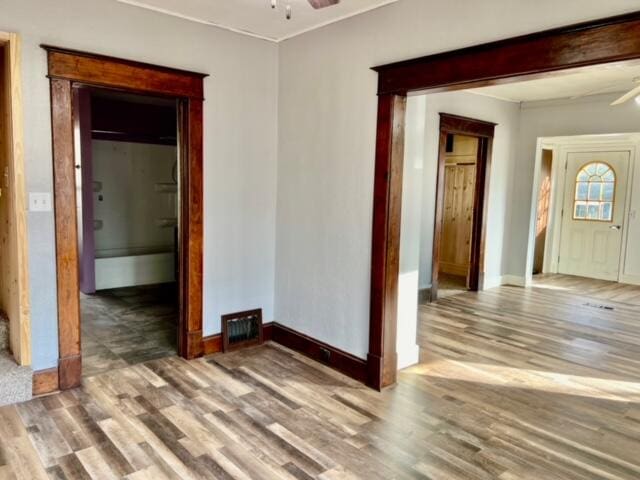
595 193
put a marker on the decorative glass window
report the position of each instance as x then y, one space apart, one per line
595 191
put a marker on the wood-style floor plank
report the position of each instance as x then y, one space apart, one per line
537 383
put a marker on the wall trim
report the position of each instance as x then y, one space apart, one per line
67 69
514 280
595 42
339 360
19 313
45 381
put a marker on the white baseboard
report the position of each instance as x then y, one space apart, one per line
630 279
499 280
491 282
129 271
408 357
515 280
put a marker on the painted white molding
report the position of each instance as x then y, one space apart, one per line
408 356
562 146
514 280
134 270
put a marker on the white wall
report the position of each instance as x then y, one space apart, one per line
128 205
419 190
327 119
410 228
240 143
507 117
320 115
586 116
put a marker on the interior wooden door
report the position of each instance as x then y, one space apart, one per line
457 222
593 215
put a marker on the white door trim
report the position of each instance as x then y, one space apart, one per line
561 147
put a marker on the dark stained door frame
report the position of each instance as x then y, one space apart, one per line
596 42
69 68
484 131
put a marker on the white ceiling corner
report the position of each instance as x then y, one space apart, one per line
256 18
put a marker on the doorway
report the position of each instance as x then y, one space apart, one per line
127 202
593 214
541 53
69 69
543 210
463 164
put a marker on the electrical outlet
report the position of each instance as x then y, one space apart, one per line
325 355
40 202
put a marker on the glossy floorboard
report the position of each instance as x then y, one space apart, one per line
125 326
516 384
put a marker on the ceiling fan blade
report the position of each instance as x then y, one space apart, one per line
628 96
323 3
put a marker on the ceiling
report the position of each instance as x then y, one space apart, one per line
256 18
580 82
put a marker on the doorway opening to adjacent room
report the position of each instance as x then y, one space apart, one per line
128 180
482 67
463 163
72 71
585 211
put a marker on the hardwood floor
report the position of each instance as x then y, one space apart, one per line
125 326
449 285
515 384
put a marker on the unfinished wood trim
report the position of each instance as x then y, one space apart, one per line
102 70
19 313
602 41
66 69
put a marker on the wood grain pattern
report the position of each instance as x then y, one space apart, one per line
191 241
45 381
482 132
606 40
385 251
65 68
15 265
66 228
459 196
119 73
345 363
601 41
516 383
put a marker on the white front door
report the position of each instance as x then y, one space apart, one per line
593 217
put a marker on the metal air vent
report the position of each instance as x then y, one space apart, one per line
242 329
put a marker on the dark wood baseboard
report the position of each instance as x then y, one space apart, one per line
267 331
48 381
45 381
344 362
212 344
70 372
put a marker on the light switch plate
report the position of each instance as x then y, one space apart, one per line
40 202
